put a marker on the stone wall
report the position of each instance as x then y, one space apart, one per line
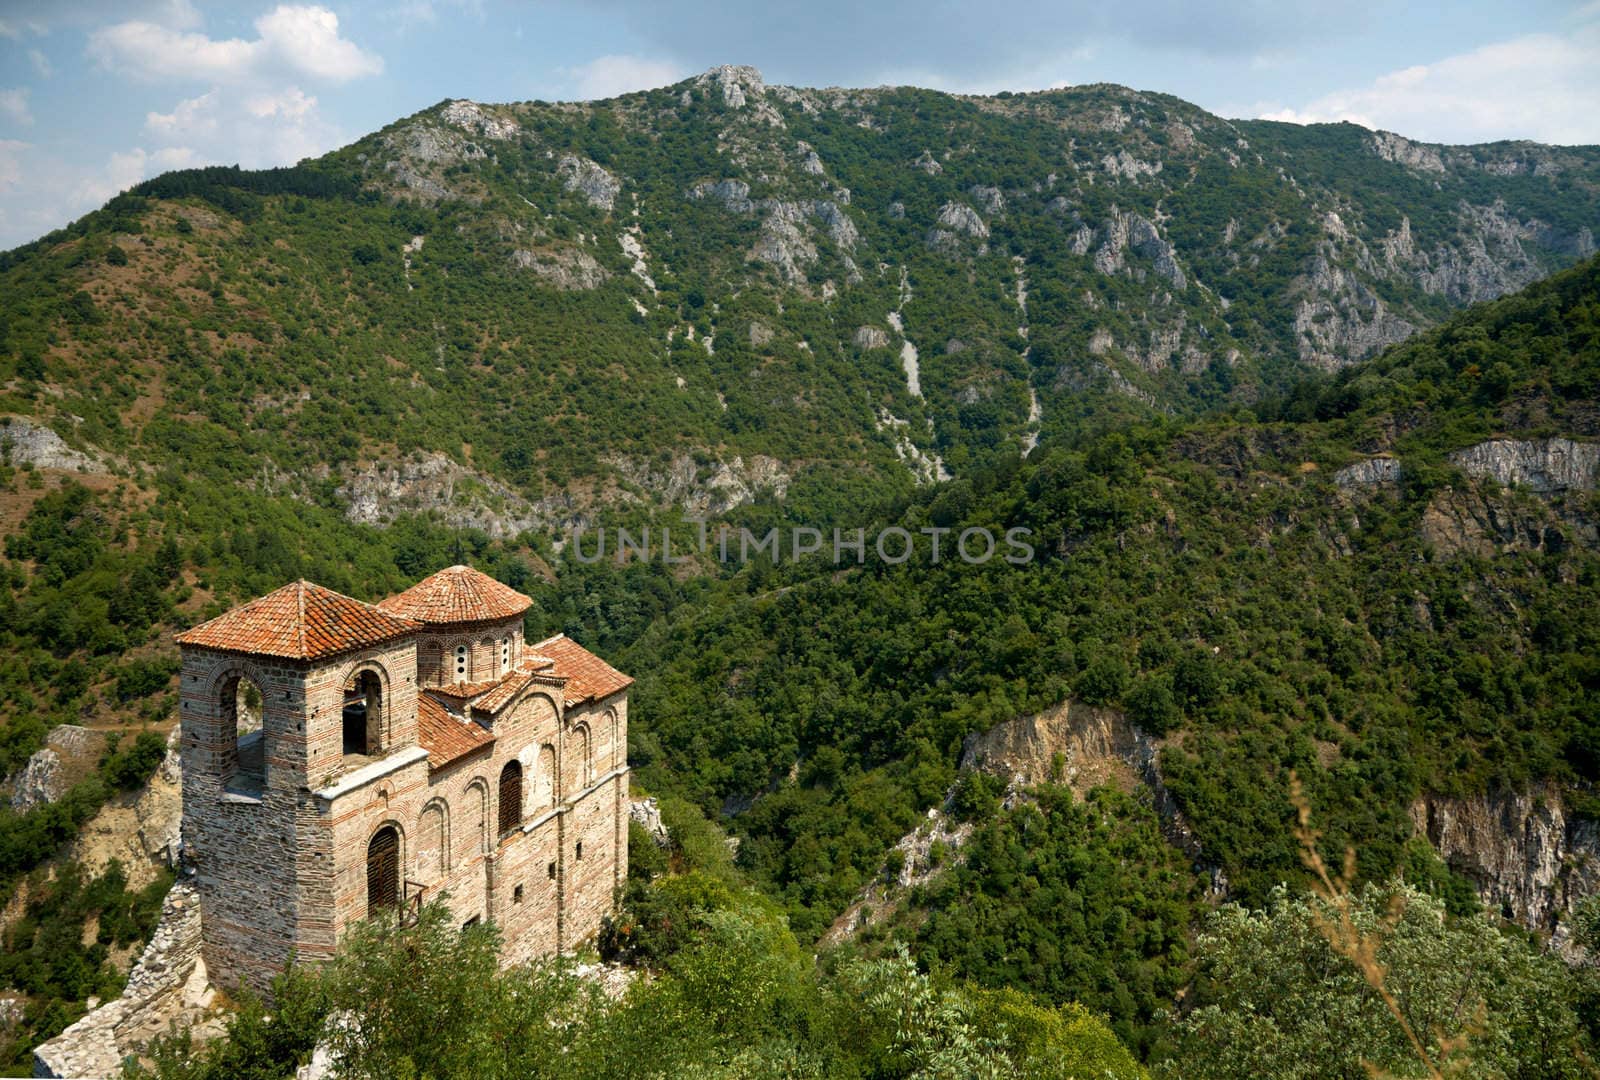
167 984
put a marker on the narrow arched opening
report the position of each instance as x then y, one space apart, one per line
363 714
383 870
510 797
241 708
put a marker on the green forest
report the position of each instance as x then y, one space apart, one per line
225 351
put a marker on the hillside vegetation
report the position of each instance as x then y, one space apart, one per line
1217 369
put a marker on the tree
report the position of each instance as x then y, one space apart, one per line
1278 999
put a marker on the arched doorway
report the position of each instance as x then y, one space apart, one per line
383 870
510 797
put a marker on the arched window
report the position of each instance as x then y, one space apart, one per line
586 755
545 778
510 797
432 843
462 656
241 707
363 714
383 870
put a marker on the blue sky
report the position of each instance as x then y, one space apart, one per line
96 95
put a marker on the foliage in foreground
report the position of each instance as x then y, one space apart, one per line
1282 999
741 999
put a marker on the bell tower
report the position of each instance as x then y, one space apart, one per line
268 694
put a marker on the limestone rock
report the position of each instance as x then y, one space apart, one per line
1402 151
479 120
870 337
703 492
461 497
1525 856
1542 465
810 163
783 243
567 269
1369 473
39 783
955 222
27 441
734 194
1126 166
760 334
647 813
1339 320
989 198
738 84
593 182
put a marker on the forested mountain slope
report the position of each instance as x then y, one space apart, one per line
1388 584
518 307
1149 335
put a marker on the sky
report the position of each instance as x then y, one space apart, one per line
96 95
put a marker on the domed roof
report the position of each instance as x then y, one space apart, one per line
459 594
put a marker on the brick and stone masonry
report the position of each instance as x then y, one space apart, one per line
341 757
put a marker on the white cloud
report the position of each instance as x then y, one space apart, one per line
1542 86
14 107
256 129
191 118
299 39
41 63
608 76
11 151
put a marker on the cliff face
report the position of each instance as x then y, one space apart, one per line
1528 859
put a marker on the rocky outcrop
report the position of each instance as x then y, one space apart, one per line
703 492
567 269
1083 747
957 222
1373 472
783 242
459 496
1545 466
646 813
1402 151
734 194
1127 167
1123 232
738 83
26 441
1339 320
167 986
590 180
68 750
988 198
1481 523
39 783
870 337
1528 860
141 830
488 122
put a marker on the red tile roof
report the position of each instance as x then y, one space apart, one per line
457 595
589 678
301 621
445 737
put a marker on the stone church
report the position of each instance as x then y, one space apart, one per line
342 759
